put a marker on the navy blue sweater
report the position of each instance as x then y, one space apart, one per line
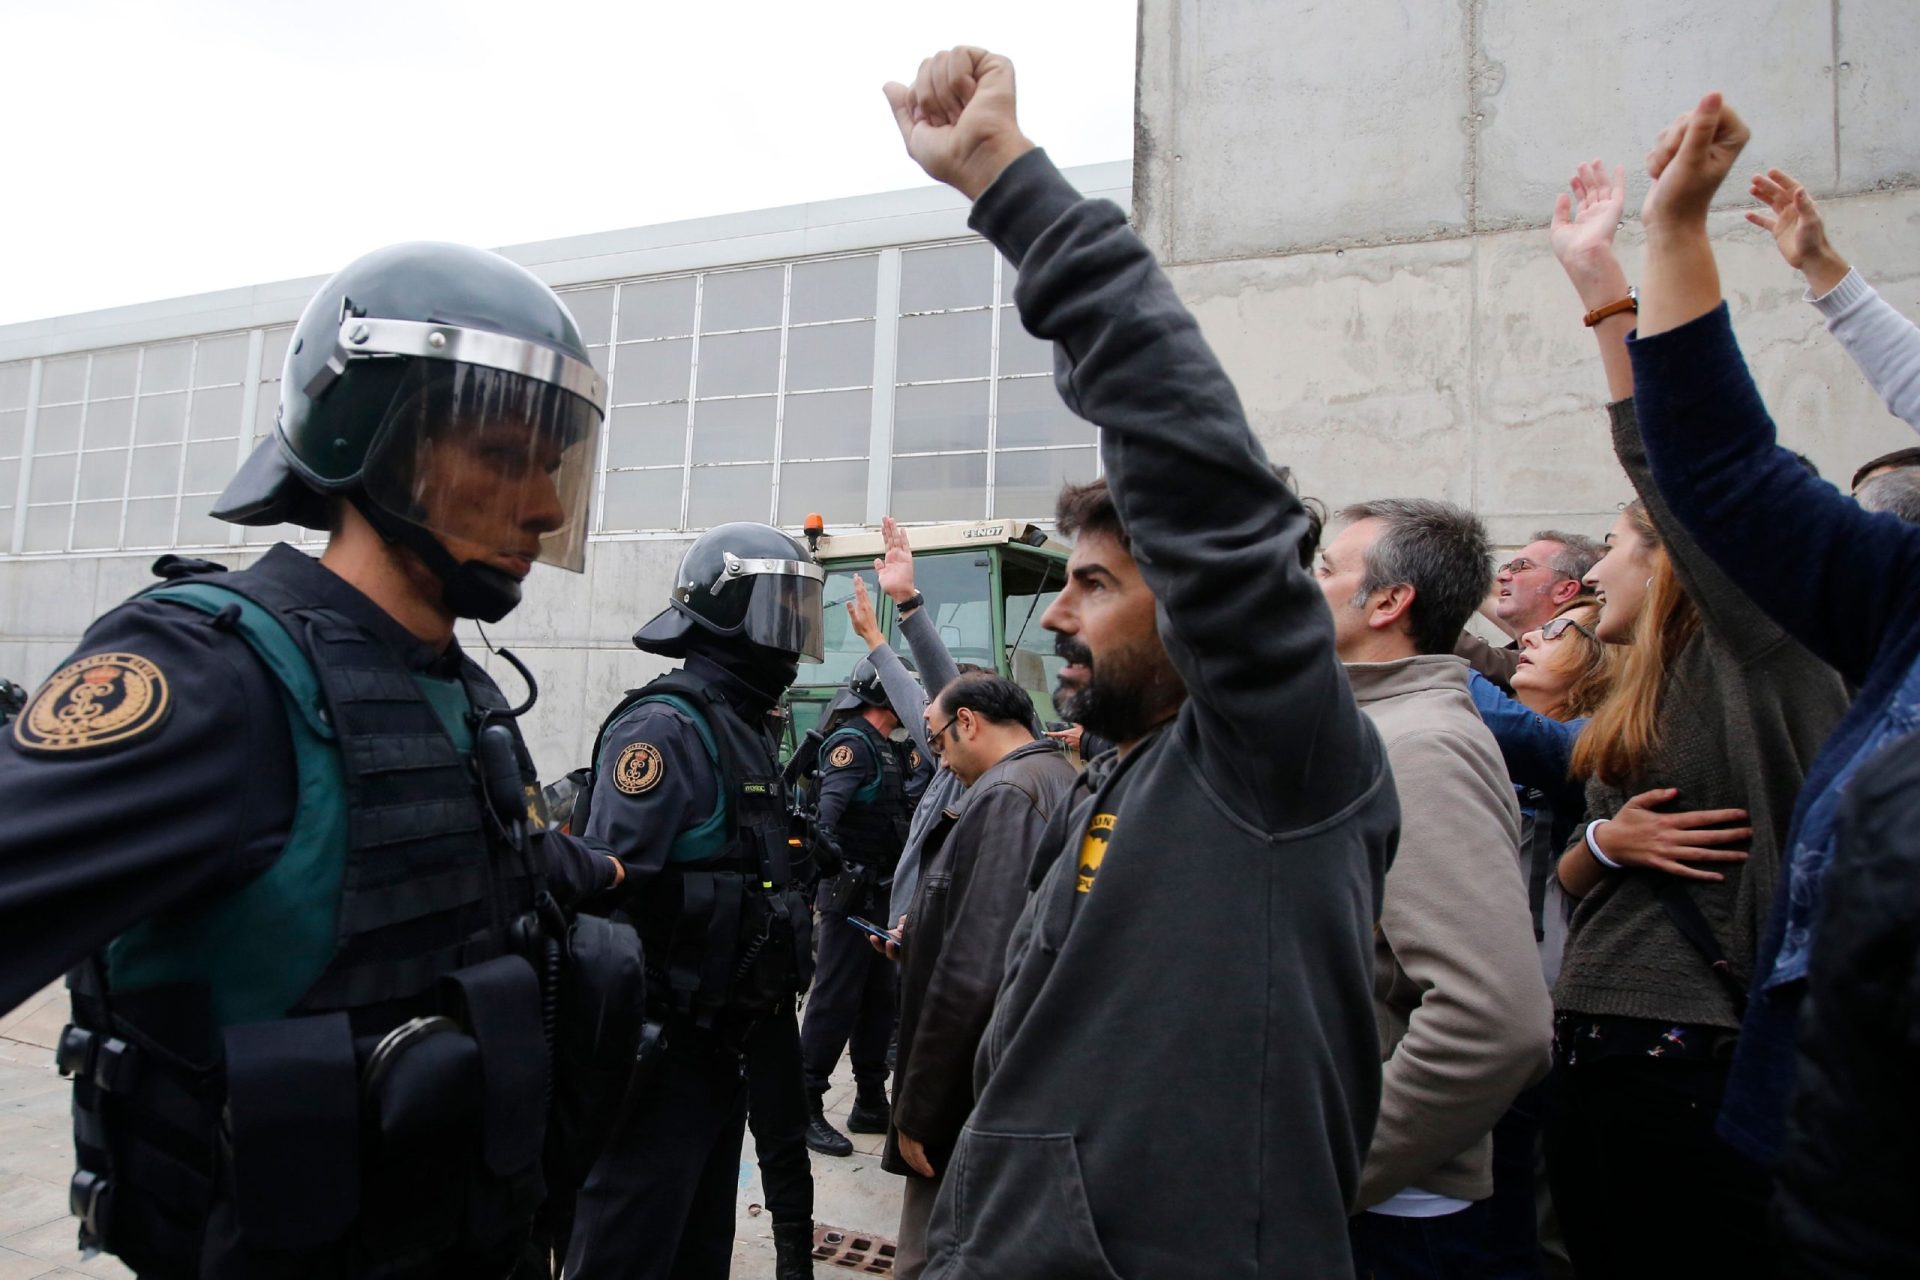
1843 581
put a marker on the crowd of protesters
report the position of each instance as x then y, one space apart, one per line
1683 778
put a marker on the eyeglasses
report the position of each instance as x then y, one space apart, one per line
1558 627
1517 565
933 739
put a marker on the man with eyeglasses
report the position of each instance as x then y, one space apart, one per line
1528 591
973 885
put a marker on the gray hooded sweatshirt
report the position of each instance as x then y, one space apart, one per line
1182 1070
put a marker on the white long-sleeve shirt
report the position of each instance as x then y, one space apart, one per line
1884 343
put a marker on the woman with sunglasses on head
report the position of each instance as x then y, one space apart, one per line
1712 720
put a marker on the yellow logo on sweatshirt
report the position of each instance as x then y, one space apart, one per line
1093 850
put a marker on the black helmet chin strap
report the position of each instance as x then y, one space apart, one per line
468 588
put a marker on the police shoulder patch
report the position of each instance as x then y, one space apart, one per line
103 700
913 760
841 756
639 769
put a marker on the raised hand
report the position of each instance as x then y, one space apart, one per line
1579 238
958 120
894 570
860 614
1690 159
1797 228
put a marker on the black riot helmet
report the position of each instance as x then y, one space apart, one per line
863 688
446 393
747 582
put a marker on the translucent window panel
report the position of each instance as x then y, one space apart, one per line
15 380
1026 484
733 430
154 472
597 357
1008 278
717 495
9 485
642 500
114 373
959 345
220 360
165 367
103 475
652 371
739 364
647 435
949 415
656 308
1020 351
266 410
209 467
58 429
593 311
826 424
47 528
96 526
838 289
742 299
160 419
830 355
197 528
64 380
940 488
215 413
837 490
273 352
109 423
1031 413
13 436
149 523
52 479
957 275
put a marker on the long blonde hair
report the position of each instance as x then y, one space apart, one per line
1625 732
1597 662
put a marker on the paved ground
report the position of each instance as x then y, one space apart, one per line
36 1159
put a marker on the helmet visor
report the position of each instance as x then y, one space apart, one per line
785 613
498 465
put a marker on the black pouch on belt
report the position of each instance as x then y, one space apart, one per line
293 1131
603 988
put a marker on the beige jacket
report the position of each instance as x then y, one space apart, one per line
1465 1021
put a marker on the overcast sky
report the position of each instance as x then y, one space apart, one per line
160 149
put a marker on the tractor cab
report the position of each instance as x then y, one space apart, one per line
987 583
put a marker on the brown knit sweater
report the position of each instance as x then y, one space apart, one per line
1744 710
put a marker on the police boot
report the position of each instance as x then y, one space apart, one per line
821 1136
793 1251
870 1111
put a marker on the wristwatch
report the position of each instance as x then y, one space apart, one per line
1629 303
911 603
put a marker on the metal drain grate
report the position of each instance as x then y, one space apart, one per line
861 1251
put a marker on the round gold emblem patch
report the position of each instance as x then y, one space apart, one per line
639 769
913 760
104 700
841 756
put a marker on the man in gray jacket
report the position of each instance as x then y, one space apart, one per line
1181 1072
1464 1016
973 885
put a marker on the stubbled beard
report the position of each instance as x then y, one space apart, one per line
1134 689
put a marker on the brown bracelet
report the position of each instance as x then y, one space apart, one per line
1629 303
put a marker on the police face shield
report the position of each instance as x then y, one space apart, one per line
496 464
785 610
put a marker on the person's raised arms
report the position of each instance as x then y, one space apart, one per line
1583 245
957 118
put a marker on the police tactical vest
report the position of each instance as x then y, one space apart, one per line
725 928
344 1049
873 829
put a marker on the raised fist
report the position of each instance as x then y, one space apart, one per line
1689 161
958 118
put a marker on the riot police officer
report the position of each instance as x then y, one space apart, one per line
281 821
863 810
688 796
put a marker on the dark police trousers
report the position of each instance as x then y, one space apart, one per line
660 1203
853 999
777 1113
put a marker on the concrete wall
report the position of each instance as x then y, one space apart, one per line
1353 199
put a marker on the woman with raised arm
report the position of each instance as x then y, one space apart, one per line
1712 718
1845 583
